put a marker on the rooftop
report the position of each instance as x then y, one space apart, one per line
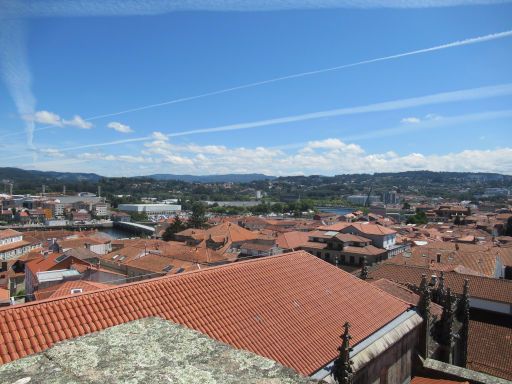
289 308
182 356
6 233
481 287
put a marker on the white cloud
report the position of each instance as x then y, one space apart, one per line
119 127
159 136
50 118
51 152
44 117
78 122
410 120
330 156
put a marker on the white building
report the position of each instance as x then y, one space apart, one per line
151 209
12 244
101 209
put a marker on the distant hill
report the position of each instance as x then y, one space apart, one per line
228 178
22 175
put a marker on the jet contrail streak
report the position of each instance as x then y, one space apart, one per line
474 40
438 98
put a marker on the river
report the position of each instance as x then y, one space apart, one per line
337 210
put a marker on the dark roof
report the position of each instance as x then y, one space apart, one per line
490 348
481 287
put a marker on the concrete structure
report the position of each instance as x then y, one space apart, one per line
390 197
150 209
362 199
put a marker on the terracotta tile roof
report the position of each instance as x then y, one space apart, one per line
80 242
335 227
478 258
426 380
52 262
481 287
194 233
314 245
322 234
199 253
160 264
64 289
505 254
490 348
367 228
404 294
292 240
348 237
368 250
289 308
232 232
6 233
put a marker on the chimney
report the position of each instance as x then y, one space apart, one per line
438 256
433 280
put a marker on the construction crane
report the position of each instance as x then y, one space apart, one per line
367 201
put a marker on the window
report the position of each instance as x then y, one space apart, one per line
60 258
76 290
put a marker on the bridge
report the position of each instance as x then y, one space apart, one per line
135 227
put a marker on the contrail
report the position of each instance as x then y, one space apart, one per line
15 72
438 98
458 43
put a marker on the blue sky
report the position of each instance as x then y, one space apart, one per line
63 64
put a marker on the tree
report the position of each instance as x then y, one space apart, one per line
176 226
406 206
198 217
419 218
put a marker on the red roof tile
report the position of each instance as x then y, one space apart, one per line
281 307
426 380
64 289
479 286
292 240
6 233
405 294
490 348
